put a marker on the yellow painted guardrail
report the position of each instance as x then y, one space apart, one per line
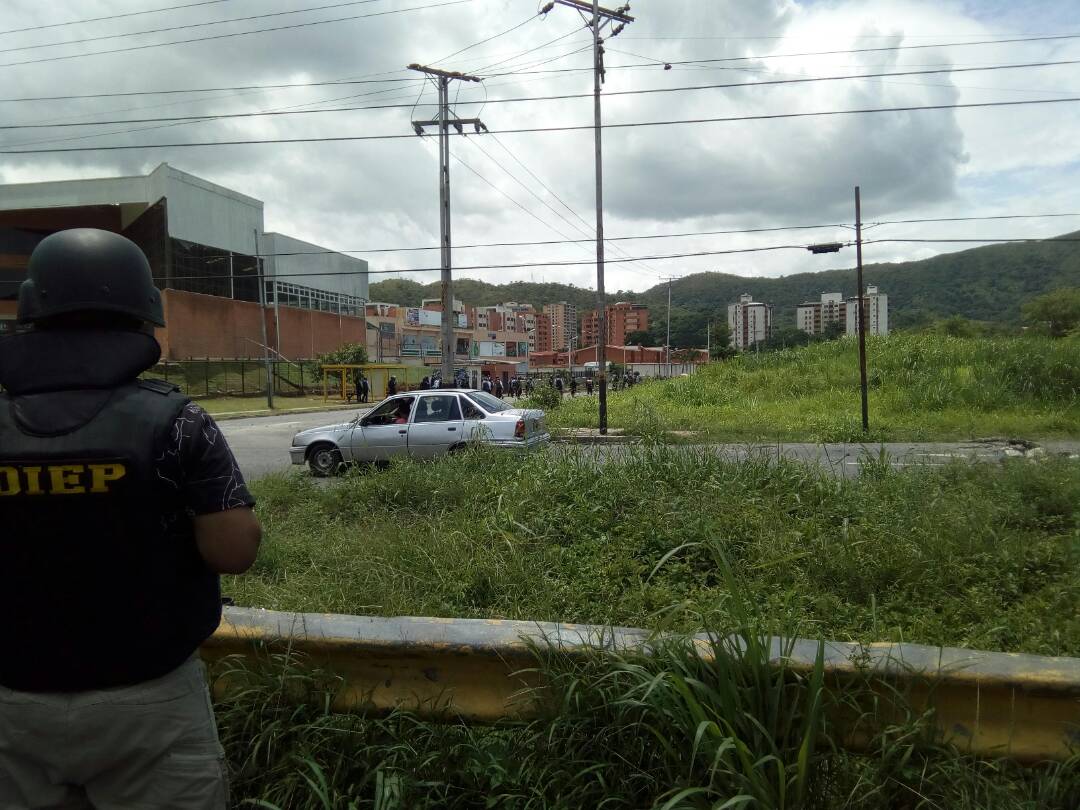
1024 707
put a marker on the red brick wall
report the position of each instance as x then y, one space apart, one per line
207 326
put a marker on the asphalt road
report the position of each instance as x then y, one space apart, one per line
261 446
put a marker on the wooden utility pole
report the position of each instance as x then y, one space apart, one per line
596 18
444 122
861 312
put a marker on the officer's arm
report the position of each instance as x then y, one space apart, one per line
228 541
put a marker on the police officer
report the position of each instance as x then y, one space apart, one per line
120 503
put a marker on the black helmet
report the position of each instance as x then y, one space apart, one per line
89 270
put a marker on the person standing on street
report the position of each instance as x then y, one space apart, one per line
573 386
588 386
367 387
121 503
391 386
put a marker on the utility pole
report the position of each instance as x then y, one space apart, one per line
861 312
259 264
708 340
667 342
443 121
599 18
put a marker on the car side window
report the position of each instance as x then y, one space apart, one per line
440 408
470 410
388 412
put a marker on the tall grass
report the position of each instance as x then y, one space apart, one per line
686 727
922 387
677 540
968 555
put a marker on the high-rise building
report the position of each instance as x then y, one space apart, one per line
622 319
813 317
876 307
750 322
564 323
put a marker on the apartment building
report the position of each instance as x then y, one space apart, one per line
813 317
621 319
564 324
876 306
750 322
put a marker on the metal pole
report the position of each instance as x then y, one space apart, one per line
262 320
861 316
668 341
447 364
708 340
601 298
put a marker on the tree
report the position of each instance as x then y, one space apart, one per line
639 338
1059 310
720 340
833 330
349 354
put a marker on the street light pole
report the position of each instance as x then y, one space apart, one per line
861 312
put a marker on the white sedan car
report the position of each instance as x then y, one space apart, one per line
419 424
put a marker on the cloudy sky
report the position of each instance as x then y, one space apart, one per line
369 195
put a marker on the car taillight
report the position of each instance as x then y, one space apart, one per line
519 429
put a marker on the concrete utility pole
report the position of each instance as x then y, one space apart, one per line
444 122
599 18
262 319
667 342
861 312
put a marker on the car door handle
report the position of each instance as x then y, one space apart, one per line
452 429
403 432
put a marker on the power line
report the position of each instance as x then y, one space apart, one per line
562 97
185 26
651 63
233 34
332 83
110 17
879 49
574 263
574 128
458 268
524 22
683 234
540 199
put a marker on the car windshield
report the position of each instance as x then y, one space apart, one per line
488 402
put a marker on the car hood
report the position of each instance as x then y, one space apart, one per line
310 433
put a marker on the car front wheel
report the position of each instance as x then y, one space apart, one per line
324 460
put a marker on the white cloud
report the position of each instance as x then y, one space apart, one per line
375 194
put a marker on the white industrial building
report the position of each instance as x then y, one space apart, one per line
198 236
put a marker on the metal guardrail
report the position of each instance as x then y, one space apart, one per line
1024 707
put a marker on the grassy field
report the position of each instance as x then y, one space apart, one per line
980 556
922 388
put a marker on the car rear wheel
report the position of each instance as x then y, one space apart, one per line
324 460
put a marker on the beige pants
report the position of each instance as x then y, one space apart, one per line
152 746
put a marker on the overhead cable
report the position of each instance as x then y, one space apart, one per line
234 34
574 128
562 97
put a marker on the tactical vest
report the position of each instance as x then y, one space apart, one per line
101 584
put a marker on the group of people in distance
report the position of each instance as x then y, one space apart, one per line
516 387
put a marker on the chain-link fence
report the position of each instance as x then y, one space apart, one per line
238 378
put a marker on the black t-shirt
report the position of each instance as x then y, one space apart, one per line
199 463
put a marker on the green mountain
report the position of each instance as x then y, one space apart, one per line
984 284
480 293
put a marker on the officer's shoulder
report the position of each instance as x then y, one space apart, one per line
159 387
